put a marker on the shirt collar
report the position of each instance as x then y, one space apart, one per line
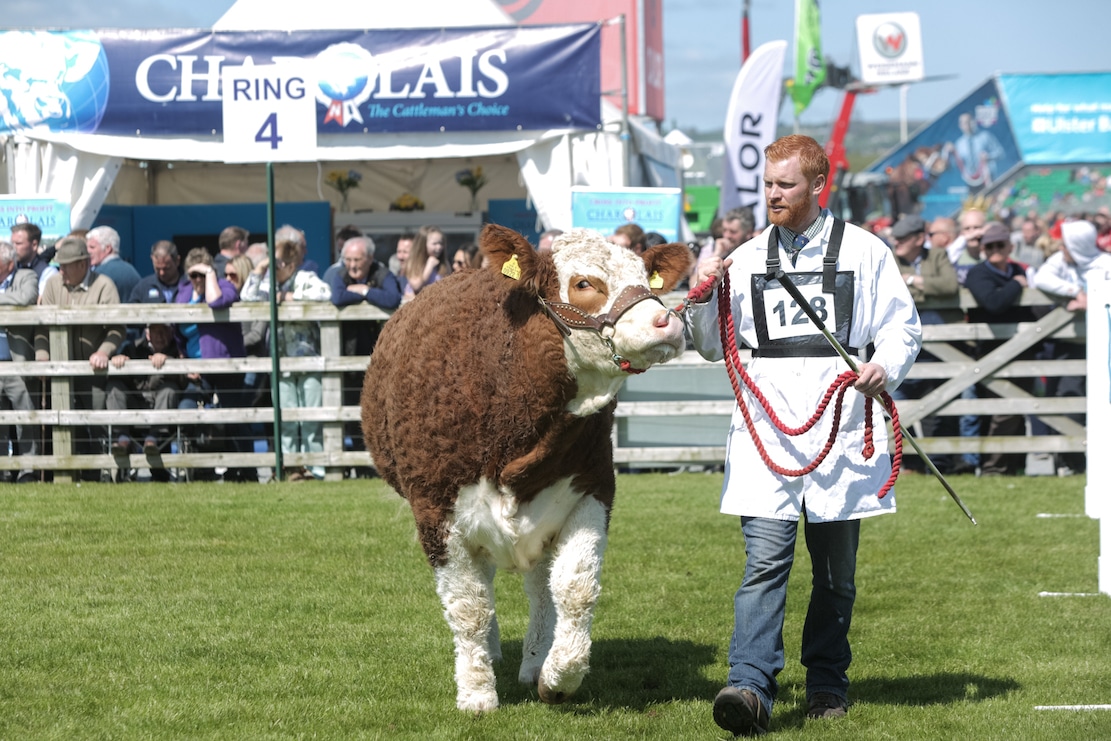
787 236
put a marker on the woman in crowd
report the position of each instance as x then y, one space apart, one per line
295 339
209 341
467 256
426 263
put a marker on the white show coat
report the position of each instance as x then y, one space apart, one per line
845 485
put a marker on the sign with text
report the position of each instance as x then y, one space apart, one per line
890 48
167 82
750 125
49 214
605 209
1060 118
269 114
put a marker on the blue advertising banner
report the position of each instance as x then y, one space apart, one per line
49 214
961 154
605 209
517 214
1060 119
167 82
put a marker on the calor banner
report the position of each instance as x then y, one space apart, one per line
750 126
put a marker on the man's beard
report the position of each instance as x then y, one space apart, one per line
791 218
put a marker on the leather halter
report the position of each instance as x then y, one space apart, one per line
568 317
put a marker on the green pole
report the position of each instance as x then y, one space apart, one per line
275 363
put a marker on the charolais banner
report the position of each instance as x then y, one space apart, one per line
167 82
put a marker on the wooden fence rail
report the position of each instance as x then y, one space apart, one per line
676 414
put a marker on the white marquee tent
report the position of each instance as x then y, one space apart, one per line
89 170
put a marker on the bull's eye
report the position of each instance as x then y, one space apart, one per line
589 294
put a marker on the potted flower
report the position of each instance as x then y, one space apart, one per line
407 202
472 180
343 182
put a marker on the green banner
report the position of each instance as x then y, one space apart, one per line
810 68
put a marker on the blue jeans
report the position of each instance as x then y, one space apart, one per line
756 650
970 426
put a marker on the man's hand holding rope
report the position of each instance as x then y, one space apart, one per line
871 377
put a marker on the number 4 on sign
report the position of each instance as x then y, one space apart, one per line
269 131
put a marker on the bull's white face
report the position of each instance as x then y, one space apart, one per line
592 274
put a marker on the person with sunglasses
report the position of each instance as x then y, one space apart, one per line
997 284
467 256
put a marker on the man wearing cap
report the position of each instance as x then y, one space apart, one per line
76 285
997 284
927 272
928 275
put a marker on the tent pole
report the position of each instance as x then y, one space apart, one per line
620 21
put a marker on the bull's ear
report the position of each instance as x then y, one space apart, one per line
667 264
510 253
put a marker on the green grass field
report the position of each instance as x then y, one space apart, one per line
289 611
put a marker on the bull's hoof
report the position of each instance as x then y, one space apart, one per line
553 697
477 702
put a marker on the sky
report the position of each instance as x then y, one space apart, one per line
965 41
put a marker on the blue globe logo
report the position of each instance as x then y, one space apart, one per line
53 80
345 75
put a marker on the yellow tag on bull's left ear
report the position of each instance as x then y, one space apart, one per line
511 268
655 281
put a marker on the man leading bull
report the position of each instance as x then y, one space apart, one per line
851 280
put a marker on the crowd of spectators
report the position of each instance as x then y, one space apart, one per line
86 268
996 258
993 259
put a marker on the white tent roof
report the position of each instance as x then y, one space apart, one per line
267 15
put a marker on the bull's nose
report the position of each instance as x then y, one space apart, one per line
664 317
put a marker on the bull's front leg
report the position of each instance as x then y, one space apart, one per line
541 622
466 590
576 572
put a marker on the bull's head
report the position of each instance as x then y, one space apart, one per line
603 298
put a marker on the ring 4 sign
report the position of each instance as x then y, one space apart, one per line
269 113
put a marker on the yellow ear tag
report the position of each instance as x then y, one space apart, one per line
655 281
511 268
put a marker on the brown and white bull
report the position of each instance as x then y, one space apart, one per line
488 404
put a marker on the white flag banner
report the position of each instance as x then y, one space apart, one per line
750 125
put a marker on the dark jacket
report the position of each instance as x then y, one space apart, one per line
384 292
150 290
140 349
997 294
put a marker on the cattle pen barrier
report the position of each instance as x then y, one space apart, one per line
674 415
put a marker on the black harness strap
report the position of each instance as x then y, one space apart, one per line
829 261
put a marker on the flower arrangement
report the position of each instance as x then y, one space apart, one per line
343 181
407 202
472 180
